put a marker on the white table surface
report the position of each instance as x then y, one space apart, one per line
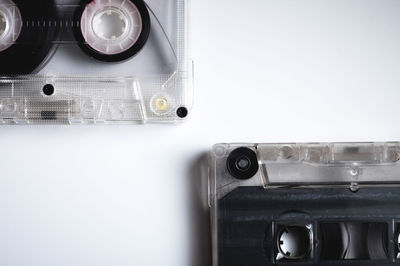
266 71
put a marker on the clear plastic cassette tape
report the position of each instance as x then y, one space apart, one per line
305 204
94 61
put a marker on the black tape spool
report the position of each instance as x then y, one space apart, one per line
34 42
132 51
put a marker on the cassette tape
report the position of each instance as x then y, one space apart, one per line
94 61
305 204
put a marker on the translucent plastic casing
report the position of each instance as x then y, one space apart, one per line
71 87
351 166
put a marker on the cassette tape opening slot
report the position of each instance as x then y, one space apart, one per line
354 241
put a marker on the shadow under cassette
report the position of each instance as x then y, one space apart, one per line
107 61
305 204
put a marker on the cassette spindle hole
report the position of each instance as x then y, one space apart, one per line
294 242
48 89
110 24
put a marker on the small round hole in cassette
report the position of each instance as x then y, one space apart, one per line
113 30
182 112
48 89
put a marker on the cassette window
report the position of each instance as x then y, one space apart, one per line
106 61
305 204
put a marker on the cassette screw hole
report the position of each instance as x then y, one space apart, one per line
220 151
162 104
354 172
182 112
48 89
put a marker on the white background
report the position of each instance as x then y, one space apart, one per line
266 71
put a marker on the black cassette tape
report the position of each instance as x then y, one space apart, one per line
305 204
94 61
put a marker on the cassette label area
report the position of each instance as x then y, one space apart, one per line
99 61
305 204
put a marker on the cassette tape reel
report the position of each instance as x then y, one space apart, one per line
113 31
94 61
305 204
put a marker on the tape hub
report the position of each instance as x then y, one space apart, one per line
112 27
110 24
294 242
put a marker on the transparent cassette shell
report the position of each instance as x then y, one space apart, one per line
150 87
314 164
301 166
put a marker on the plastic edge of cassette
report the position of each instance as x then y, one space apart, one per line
349 165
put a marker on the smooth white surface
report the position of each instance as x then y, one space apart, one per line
266 71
